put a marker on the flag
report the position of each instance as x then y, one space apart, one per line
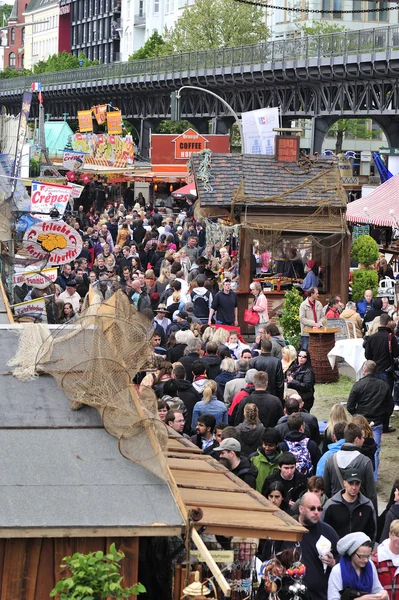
40 97
36 87
381 168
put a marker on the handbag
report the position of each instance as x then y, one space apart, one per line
251 317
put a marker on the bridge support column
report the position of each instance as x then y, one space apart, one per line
222 125
201 125
320 127
390 126
146 125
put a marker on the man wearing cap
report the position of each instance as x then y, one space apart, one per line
71 295
348 510
161 318
230 451
189 308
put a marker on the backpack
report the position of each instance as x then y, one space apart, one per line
303 459
201 304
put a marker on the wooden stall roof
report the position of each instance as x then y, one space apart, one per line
230 507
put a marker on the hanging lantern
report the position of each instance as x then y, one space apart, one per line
171 188
196 589
156 187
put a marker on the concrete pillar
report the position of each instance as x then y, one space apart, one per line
146 125
222 125
201 125
320 127
390 126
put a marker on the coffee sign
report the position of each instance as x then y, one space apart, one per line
188 142
54 241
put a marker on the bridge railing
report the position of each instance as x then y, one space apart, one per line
380 39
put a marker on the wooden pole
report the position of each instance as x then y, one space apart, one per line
224 586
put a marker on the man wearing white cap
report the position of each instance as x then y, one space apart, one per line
230 451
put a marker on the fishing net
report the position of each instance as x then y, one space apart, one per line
94 361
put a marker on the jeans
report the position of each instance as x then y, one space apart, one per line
377 431
304 342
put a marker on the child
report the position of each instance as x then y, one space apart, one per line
235 346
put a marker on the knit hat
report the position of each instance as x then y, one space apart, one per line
351 542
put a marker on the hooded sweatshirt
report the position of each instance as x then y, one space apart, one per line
391 515
345 517
332 449
278 342
265 465
246 471
213 361
250 437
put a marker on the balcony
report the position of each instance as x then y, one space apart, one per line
139 20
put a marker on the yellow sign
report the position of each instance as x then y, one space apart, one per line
85 120
114 122
219 556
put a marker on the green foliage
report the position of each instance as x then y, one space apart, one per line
5 12
34 167
217 24
365 251
62 62
9 73
171 127
357 128
154 46
289 320
320 28
364 279
94 576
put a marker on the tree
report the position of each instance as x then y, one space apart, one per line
365 252
289 320
154 46
173 127
356 127
217 24
320 28
5 12
63 62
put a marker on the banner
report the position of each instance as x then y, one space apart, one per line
73 161
37 279
54 241
100 113
85 119
22 129
105 150
258 131
114 122
32 308
45 196
76 190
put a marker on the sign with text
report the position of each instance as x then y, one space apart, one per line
54 241
163 151
74 161
188 142
114 122
45 196
258 131
35 309
37 279
22 129
76 190
85 119
389 151
105 150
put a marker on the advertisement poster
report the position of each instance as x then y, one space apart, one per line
100 113
37 279
85 119
54 241
32 308
258 131
105 150
74 161
22 129
76 190
188 142
114 122
45 196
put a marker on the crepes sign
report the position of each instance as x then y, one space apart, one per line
45 196
54 241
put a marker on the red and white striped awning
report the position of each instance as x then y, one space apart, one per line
380 207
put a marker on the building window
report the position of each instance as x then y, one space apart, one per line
11 60
12 41
23 60
332 5
156 7
22 36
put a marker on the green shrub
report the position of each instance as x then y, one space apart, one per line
365 250
289 320
94 576
364 279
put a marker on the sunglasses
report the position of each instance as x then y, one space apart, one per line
302 355
313 508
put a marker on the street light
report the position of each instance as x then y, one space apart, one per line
175 112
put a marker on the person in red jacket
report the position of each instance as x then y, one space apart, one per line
386 561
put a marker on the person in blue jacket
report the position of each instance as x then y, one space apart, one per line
338 437
366 304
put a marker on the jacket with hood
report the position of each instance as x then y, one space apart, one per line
213 362
246 471
248 389
266 466
352 316
269 407
332 449
298 436
214 407
272 366
344 519
387 565
392 514
278 343
376 348
204 304
311 426
349 457
223 378
190 397
198 385
250 437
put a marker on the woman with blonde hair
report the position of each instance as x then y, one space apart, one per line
251 430
369 447
162 281
227 373
288 356
209 405
338 414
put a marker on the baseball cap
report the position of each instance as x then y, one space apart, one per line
182 314
352 475
71 283
229 444
189 307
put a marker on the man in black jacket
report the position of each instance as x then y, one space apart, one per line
269 406
212 359
229 450
192 353
272 366
372 398
294 482
292 405
186 392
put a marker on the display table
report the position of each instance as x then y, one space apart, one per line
352 352
321 342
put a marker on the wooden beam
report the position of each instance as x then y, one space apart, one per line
6 303
224 586
157 530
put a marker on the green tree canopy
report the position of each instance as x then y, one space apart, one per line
358 128
63 62
154 46
320 28
217 24
173 127
5 12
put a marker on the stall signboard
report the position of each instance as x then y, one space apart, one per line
85 119
45 196
76 190
73 161
32 308
389 151
105 150
114 122
37 279
54 241
188 142
359 230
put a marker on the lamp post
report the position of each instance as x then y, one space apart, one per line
230 109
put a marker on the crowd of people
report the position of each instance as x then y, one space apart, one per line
249 404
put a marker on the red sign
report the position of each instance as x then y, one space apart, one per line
166 150
188 142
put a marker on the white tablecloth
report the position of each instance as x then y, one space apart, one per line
350 350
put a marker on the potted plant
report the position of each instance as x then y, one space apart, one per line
289 320
94 576
365 252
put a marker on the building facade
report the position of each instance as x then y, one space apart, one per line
95 28
43 36
14 53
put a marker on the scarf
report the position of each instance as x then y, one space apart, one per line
313 307
362 583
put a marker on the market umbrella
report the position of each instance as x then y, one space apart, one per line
185 191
